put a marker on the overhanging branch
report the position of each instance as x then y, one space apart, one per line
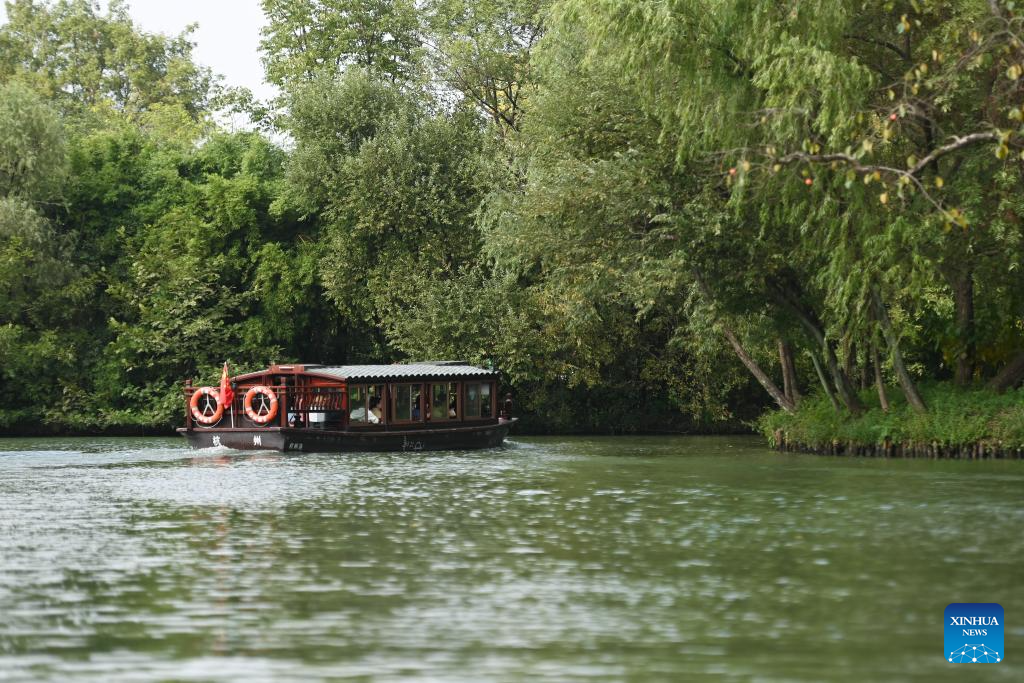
912 174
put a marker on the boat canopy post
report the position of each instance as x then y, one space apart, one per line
188 396
284 404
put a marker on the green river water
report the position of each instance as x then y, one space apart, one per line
552 559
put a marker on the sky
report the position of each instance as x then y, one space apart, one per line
227 39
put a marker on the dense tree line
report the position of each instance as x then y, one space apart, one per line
646 214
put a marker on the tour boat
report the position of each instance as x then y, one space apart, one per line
437 405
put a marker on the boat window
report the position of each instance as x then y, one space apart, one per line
453 401
439 402
403 411
478 400
366 404
485 400
472 407
357 404
407 402
375 404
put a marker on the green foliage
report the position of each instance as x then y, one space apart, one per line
214 277
482 49
330 118
589 231
855 153
307 39
955 417
32 147
407 206
33 261
80 59
395 184
591 195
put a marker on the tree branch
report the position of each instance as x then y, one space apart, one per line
881 43
935 154
912 174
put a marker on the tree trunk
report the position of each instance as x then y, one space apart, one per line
963 298
906 382
751 365
780 397
847 394
788 372
849 357
883 400
824 383
865 371
1011 374
844 388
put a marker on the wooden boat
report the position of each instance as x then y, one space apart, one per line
439 405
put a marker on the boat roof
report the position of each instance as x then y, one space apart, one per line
399 370
425 369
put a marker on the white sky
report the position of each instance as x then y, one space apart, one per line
227 39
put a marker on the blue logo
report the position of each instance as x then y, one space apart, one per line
974 633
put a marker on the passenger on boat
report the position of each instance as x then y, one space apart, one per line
295 420
375 414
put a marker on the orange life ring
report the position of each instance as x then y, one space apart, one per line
268 407
204 416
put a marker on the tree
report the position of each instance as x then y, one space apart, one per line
395 185
808 101
32 146
595 231
33 255
80 59
482 49
308 39
220 274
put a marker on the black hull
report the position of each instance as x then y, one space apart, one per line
324 441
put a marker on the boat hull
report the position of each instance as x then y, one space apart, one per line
327 441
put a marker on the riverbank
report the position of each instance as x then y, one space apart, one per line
960 423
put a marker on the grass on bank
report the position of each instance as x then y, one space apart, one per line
955 416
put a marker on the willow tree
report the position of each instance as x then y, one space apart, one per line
875 128
597 226
34 256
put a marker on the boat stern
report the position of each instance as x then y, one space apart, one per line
241 439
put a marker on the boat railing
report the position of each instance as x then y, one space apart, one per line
316 399
291 400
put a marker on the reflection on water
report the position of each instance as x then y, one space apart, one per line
550 559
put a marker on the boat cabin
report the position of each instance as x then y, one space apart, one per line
363 398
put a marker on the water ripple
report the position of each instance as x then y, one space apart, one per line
548 560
